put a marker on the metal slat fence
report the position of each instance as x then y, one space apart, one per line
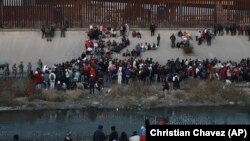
137 13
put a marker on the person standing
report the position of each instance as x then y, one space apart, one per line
123 137
20 66
47 33
158 40
63 29
91 84
165 88
99 134
43 31
176 82
46 79
29 68
16 137
113 135
134 137
40 64
52 78
119 74
152 29
172 38
14 70
248 29
126 30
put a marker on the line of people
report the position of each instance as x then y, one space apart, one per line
232 29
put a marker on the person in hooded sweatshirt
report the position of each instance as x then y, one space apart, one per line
99 134
113 135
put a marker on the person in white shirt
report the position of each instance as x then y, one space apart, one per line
134 137
119 74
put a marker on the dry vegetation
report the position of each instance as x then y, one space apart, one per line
11 89
134 95
215 92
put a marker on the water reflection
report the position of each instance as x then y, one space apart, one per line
53 124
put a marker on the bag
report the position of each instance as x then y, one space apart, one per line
52 77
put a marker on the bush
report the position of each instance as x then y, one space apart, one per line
215 92
8 100
135 88
52 95
19 87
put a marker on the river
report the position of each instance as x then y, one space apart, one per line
48 125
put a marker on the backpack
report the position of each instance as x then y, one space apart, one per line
52 77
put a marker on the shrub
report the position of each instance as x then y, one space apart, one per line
8 100
52 95
215 92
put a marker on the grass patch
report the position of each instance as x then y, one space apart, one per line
31 105
52 96
16 87
8 100
136 89
179 96
232 93
215 92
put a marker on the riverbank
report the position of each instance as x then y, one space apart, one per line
135 96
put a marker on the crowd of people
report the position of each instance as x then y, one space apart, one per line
232 29
96 67
94 73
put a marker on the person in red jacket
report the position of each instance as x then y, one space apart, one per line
92 72
38 80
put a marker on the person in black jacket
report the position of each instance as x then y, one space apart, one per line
165 88
16 137
68 137
113 135
152 29
99 135
92 85
172 38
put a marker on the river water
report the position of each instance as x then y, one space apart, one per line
48 125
